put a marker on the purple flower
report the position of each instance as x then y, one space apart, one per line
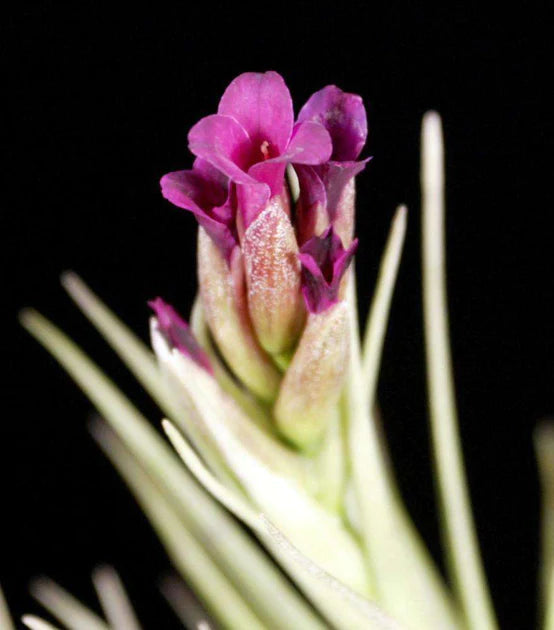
178 334
344 117
324 262
253 137
205 192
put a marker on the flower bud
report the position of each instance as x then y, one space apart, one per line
311 208
178 334
223 296
272 270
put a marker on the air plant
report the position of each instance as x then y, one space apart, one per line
269 393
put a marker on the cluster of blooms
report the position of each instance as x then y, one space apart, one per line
274 200
273 351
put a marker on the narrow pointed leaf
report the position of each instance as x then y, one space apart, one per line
544 449
460 537
188 556
36 623
272 479
408 584
5 617
184 604
115 602
251 570
65 607
342 607
136 356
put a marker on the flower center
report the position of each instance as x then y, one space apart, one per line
264 149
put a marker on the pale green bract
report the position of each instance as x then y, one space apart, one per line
334 522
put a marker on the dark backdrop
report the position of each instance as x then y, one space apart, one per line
98 107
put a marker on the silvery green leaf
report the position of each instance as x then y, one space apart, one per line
189 557
462 547
65 607
409 585
544 448
36 623
271 477
5 617
341 606
251 570
115 602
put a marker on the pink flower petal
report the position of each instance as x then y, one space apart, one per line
310 144
262 104
311 207
221 141
343 115
335 176
207 200
251 200
270 172
324 263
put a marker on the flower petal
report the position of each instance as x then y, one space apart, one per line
311 207
310 144
335 176
223 142
324 263
251 200
262 104
207 200
343 115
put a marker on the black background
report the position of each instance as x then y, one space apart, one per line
98 107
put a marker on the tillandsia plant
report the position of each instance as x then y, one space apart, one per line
270 394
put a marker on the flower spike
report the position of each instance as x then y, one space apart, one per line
324 263
178 334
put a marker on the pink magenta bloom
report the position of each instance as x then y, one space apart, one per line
205 192
177 333
324 263
253 137
344 117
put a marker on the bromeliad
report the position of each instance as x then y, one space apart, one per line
270 397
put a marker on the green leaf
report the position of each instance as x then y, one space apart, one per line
460 538
407 582
189 557
544 448
240 558
65 607
342 607
5 617
115 602
36 623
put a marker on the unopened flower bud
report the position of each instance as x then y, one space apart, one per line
324 263
177 333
